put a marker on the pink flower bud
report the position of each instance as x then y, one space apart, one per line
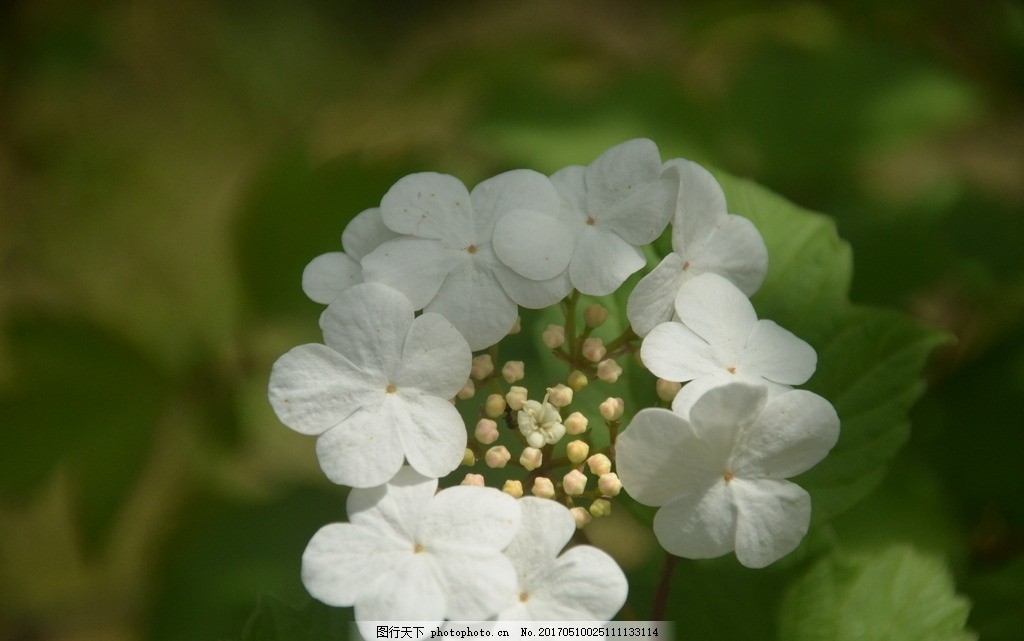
609 484
608 371
574 483
473 479
543 487
513 488
467 391
595 315
531 458
581 516
497 456
553 336
516 397
575 423
594 350
577 451
482 367
599 464
577 380
559 395
494 406
667 390
486 431
612 408
513 371
600 508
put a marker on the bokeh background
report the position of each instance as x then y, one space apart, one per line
167 169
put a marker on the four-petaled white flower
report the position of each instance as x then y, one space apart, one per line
408 554
705 238
377 391
540 423
329 274
583 584
624 199
720 340
719 477
443 259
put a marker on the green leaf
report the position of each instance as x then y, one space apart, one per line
896 593
869 360
275 620
82 398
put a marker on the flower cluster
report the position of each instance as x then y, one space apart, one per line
438 272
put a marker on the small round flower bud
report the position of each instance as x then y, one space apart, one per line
594 350
468 458
595 315
612 408
599 464
609 484
517 326
516 397
467 391
667 390
543 487
577 380
577 451
608 370
473 479
486 431
553 336
497 456
482 367
513 371
531 458
600 508
494 406
574 483
513 488
559 395
582 517
575 423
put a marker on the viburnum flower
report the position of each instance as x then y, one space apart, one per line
719 477
377 390
408 554
705 238
443 260
720 340
583 584
540 423
329 274
624 199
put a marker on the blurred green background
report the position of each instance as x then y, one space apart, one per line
167 169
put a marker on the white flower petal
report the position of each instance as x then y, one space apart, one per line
471 517
700 207
479 581
729 409
534 244
734 249
365 233
651 301
435 358
434 440
641 216
613 174
778 355
791 435
414 266
474 302
328 275
363 450
602 261
571 185
519 190
342 562
394 508
772 518
692 391
313 388
717 311
673 352
429 205
545 529
701 525
587 585
368 323
410 591
533 294
661 455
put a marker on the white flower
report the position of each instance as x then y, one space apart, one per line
583 584
624 199
719 476
329 274
407 554
705 238
443 260
377 391
720 340
540 423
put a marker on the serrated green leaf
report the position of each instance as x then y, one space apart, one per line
894 594
869 360
84 399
